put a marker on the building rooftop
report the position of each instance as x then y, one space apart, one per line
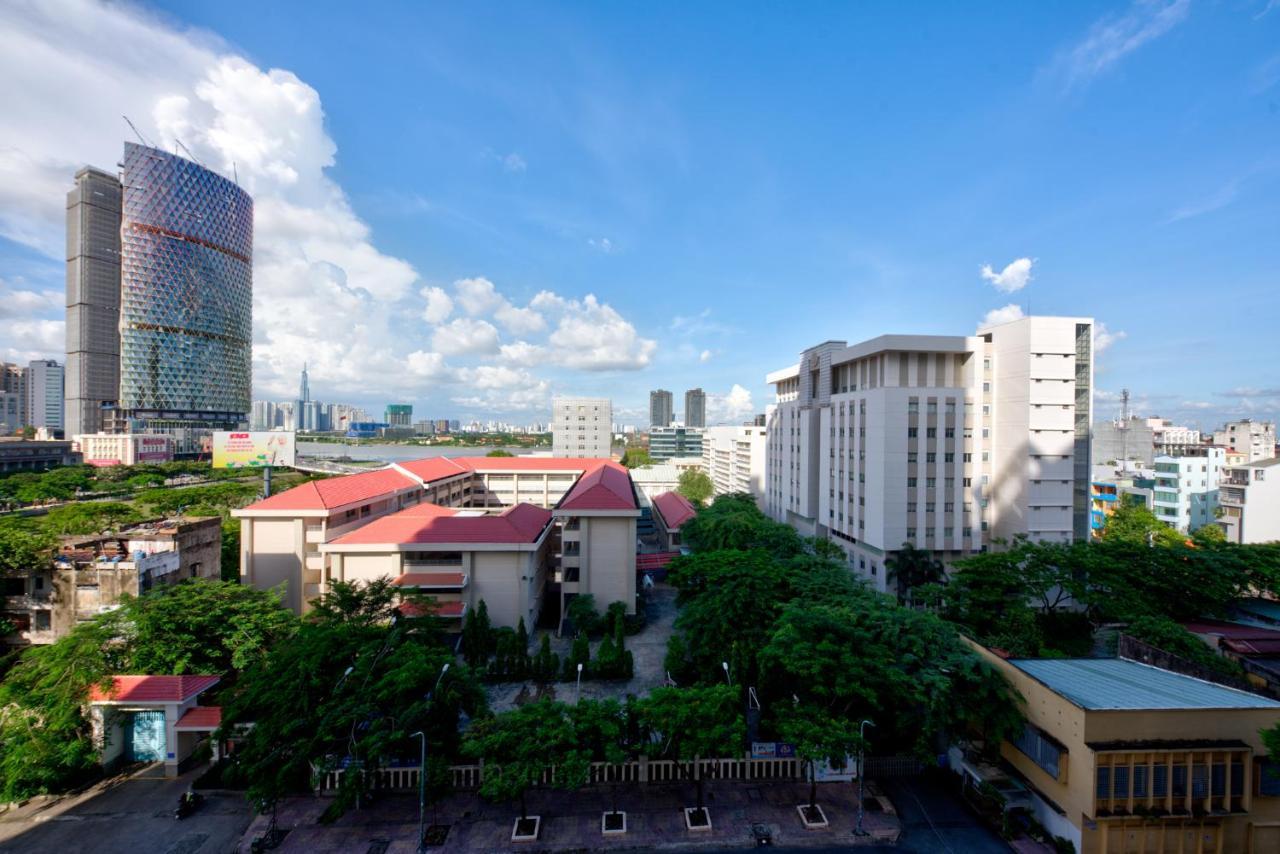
431 523
334 492
199 719
152 689
607 487
675 509
1099 684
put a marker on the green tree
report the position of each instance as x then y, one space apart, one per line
1133 522
477 635
735 522
582 612
1165 634
520 746
1210 535
818 737
634 458
229 552
687 724
499 452
912 567
695 485
91 517
22 549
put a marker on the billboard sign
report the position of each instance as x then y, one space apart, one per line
154 449
251 450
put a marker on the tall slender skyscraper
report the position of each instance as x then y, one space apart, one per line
660 408
304 389
695 408
93 299
159 299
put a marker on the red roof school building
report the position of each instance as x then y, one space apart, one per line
512 531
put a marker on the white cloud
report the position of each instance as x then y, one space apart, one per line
522 352
592 336
604 244
513 162
1004 314
479 296
730 408
426 365
17 301
1013 277
439 305
26 340
1113 37
704 356
465 335
1103 338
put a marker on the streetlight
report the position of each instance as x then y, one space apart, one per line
578 698
725 665
862 745
422 769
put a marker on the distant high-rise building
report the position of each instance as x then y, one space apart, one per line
45 389
733 457
695 408
581 427
93 299
666 443
304 388
660 408
400 414
13 406
159 299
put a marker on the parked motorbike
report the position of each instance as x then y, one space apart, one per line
187 804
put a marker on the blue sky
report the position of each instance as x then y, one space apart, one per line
731 182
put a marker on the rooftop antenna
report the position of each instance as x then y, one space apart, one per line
1124 425
137 132
234 174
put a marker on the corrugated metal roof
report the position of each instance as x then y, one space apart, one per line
1120 684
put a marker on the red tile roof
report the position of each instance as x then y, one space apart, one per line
655 560
607 487
152 689
533 463
430 579
431 523
448 610
434 468
675 509
200 719
333 492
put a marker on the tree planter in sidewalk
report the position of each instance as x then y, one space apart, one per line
697 819
812 816
526 829
613 823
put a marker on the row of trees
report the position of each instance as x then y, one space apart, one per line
65 483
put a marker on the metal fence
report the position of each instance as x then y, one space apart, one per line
639 771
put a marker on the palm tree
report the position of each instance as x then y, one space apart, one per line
911 567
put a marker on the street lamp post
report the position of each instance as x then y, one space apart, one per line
422 768
578 697
725 665
862 747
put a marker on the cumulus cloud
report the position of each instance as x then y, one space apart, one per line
1103 338
732 407
465 335
427 365
16 300
704 356
1004 314
479 296
604 244
592 336
439 305
1013 277
27 340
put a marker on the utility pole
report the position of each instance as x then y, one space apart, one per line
1124 426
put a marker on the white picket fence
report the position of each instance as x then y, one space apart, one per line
641 771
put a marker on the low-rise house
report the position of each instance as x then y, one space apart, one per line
670 511
1125 757
152 719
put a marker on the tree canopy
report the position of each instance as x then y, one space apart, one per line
695 485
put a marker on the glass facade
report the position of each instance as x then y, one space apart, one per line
186 307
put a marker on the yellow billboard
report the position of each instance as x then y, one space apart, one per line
250 450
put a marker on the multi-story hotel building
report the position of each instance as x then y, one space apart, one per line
944 442
1250 498
581 427
1255 438
508 530
733 457
1186 491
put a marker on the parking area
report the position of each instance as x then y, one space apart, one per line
936 820
127 813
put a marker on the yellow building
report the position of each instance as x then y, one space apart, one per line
1125 757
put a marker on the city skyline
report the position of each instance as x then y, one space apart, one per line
1082 170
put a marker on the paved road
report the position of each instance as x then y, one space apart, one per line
130 815
935 820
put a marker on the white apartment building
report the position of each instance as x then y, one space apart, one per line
1186 493
581 427
45 389
1171 439
1250 496
733 457
945 442
1256 438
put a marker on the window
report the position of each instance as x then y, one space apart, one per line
950 433
930 457
912 456
948 457
968 458
931 432
929 506
987 386
968 481
42 621
912 432
911 482
930 482
911 533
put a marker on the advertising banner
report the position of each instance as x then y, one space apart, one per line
245 450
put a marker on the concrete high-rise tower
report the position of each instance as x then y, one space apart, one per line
695 408
93 299
660 408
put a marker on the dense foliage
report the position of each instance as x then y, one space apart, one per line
695 485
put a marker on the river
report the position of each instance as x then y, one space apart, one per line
398 453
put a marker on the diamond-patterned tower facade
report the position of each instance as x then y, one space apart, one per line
186 290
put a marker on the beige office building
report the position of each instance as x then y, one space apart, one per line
581 427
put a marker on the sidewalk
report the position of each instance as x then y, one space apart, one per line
571 820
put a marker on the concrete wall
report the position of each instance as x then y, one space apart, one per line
271 554
608 569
